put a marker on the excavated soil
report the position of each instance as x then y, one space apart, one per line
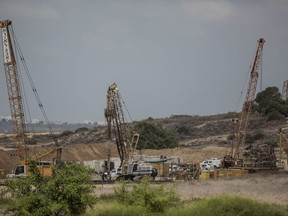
86 152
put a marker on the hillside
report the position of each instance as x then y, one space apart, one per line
199 137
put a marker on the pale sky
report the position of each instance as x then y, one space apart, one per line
167 57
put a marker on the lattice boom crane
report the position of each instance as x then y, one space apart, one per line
250 96
13 87
116 120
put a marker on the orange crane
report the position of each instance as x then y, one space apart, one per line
15 97
250 96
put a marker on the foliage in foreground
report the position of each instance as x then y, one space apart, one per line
117 209
156 198
154 136
229 206
67 192
223 205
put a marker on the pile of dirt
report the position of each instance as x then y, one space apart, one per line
78 152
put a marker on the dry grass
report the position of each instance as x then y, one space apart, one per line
270 188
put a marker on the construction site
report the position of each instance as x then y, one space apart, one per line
216 149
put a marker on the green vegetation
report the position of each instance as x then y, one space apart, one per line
222 205
67 192
82 129
269 103
154 198
154 136
229 206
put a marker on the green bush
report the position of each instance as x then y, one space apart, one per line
156 198
275 115
154 136
269 103
229 206
67 192
117 209
82 129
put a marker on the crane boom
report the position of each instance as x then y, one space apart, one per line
15 97
250 96
115 119
13 88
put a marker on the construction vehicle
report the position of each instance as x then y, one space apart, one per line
283 145
114 114
16 102
261 155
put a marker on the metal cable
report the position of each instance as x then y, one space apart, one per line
125 108
25 104
32 83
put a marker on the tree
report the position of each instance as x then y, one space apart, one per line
154 136
67 192
269 103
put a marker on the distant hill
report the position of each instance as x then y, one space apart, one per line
195 131
6 126
188 130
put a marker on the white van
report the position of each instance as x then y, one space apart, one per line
210 164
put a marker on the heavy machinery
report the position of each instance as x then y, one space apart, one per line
283 144
261 155
15 98
249 100
114 114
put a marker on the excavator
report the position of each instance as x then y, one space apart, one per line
17 107
114 114
261 155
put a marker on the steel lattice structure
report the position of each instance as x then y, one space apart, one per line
114 115
13 86
250 96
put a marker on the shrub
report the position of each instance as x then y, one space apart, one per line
183 130
154 136
154 198
229 205
82 129
274 115
117 209
67 192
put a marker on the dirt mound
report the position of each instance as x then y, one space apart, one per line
78 152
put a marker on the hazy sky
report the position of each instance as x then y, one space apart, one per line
167 57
